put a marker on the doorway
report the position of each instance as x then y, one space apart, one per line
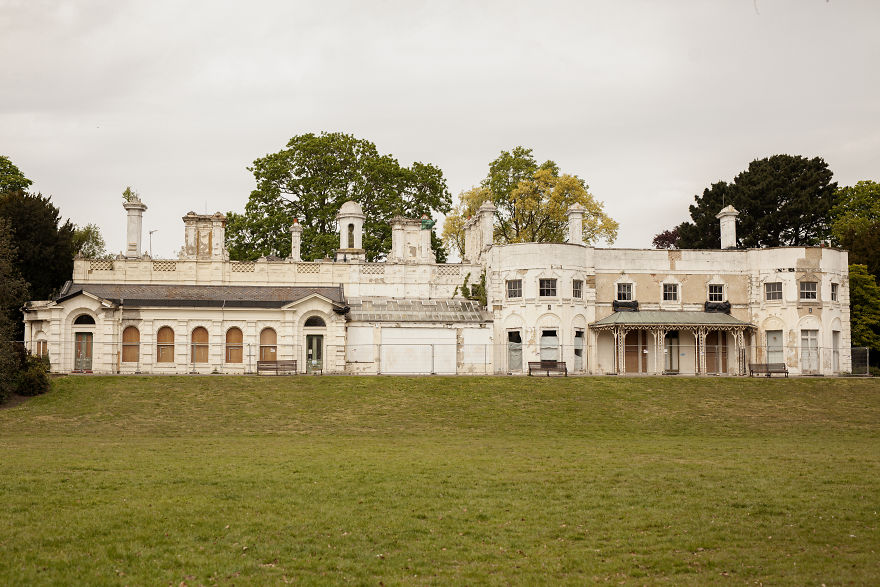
809 352
514 351
670 352
82 361
635 352
314 353
716 352
774 347
578 351
549 350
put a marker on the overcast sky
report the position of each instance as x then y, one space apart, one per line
649 102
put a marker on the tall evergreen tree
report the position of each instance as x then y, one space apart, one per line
13 293
783 200
44 242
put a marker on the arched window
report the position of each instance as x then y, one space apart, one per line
234 342
84 319
315 321
351 236
131 344
199 352
42 348
268 345
165 345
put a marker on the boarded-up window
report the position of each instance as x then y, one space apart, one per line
165 345
549 345
131 344
234 341
199 353
268 345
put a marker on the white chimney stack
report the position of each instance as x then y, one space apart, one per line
486 214
296 232
575 215
728 227
135 209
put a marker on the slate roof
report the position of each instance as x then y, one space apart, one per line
417 310
229 296
668 317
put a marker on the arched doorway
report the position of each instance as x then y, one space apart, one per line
314 328
83 339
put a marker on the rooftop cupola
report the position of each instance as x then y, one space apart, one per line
727 216
351 232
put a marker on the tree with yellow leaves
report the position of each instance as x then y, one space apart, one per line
531 201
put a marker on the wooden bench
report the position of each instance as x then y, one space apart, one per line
277 367
767 369
548 367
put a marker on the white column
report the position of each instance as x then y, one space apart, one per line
296 241
576 224
728 227
135 209
486 214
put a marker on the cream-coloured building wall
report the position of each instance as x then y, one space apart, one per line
480 347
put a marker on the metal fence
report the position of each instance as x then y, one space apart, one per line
861 360
89 355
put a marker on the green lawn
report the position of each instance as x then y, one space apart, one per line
437 480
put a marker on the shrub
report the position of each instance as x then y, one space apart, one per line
33 378
12 358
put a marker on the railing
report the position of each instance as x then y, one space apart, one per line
89 354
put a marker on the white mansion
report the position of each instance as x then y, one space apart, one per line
601 310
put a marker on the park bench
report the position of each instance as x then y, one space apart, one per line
767 369
276 367
548 367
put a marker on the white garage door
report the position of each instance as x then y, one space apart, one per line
418 351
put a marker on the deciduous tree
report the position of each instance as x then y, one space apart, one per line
864 302
531 201
312 177
88 242
855 224
11 177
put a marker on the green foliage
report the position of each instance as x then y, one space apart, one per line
88 242
33 378
11 177
476 291
783 200
531 201
310 180
864 303
856 224
13 294
45 245
129 195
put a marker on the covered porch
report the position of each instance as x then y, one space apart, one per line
657 342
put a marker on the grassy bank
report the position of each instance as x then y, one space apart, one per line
140 480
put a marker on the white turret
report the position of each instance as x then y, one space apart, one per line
351 232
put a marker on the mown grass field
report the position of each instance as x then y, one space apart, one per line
438 480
